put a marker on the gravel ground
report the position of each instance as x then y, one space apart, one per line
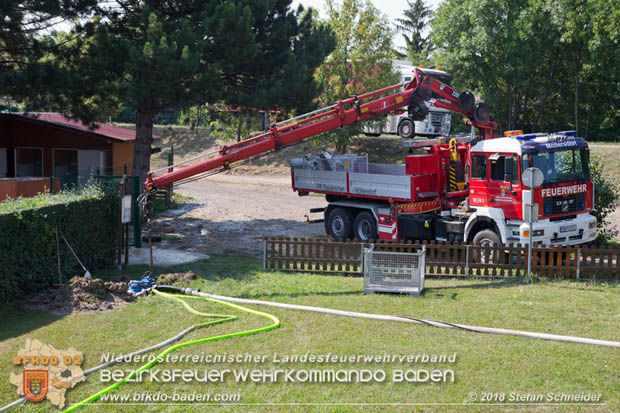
235 212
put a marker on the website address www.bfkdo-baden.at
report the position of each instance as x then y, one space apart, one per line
161 397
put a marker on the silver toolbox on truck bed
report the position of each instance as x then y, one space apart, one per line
317 173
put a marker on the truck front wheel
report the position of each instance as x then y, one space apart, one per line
365 226
486 238
406 129
340 223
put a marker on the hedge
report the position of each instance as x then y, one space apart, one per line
28 263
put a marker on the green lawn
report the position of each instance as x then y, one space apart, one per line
484 363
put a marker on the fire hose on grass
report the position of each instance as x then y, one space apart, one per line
219 318
197 294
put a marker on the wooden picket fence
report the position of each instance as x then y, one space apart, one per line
324 255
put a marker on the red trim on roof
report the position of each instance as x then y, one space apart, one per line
101 129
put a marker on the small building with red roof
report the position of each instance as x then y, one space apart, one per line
35 146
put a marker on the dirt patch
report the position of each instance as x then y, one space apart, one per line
232 212
82 295
183 277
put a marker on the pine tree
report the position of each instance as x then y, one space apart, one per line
412 28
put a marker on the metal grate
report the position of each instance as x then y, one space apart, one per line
437 118
397 272
564 205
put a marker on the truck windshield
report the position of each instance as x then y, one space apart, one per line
562 166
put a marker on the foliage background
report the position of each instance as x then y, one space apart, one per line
542 65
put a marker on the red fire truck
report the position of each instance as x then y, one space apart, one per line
466 188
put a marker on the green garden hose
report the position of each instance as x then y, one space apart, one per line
219 319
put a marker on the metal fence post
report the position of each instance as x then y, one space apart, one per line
137 217
467 260
170 163
578 262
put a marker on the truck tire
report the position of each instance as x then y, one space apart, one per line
340 223
486 238
406 129
365 227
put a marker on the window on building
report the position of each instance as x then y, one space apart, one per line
479 167
28 162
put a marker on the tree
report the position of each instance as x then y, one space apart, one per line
605 197
23 24
541 65
412 28
27 31
359 63
157 55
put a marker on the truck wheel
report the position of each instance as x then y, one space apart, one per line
486 238
406 129
340 223
365 227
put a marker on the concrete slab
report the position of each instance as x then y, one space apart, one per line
163 257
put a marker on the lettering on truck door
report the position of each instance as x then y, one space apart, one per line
504 187
478 192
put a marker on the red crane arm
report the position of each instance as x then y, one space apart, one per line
319 121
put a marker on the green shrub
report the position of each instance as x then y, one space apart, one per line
605 197
89 221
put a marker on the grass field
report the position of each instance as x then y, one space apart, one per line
485 364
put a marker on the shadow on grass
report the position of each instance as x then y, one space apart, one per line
492 283
219 267
17 321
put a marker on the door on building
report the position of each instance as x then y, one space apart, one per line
90 163
66 166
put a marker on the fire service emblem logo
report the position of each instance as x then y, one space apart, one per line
47 373
35 384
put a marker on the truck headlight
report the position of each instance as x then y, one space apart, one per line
592 225
536 233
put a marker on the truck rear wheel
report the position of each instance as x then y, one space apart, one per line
340 223
406 129
486 238
365 227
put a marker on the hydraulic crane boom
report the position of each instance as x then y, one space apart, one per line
343 113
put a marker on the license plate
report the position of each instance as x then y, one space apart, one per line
568 228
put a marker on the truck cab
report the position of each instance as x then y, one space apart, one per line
565 199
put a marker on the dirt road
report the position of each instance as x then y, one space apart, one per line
235 212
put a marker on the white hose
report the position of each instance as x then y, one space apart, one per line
400 319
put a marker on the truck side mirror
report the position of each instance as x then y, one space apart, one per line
508 165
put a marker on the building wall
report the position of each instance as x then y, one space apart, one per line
122 154
15 133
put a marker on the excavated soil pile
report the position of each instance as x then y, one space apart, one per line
183 277
82 295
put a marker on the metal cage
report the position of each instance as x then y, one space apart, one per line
394 272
